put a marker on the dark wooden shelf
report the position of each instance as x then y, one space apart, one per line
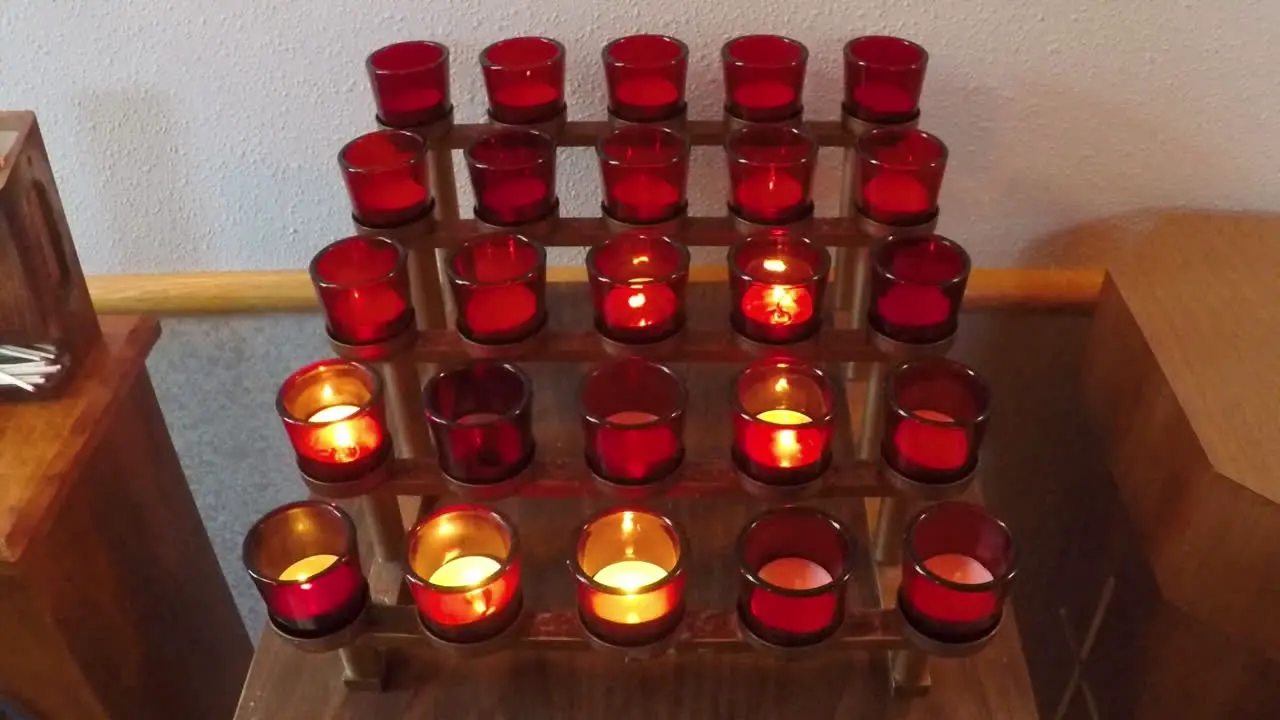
692 346
694 479
712 231
701 133
864 629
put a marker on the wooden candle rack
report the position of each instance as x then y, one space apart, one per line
391 621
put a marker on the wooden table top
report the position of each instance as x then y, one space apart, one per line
39 441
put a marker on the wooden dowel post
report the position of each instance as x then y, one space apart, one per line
363 667
909 672
891 520
445 186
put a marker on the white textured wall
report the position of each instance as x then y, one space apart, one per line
201 134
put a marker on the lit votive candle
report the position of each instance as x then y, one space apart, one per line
332 411
464 572
630 582
777 280
782 428
638 283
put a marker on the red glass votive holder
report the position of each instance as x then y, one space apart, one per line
333 413
645 75
363 286
645 169
777 281
883 76
764 77
899 175
464 573
771 174
303 559
936 416
917 284
386 177
410 82
638 284
795 563
784 412
630 572
957 564
513 175
499 283
633 421
481 418
524 78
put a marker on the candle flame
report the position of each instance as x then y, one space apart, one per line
628 522
775 265
782 385
639 259
326 394
783 300
636 301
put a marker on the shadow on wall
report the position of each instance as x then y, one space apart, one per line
154 216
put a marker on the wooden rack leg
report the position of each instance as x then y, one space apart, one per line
363 668
872 413
446 189
891 520
909 672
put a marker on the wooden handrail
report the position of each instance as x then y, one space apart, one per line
262 291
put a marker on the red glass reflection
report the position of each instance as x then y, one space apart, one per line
638 284
794 563
363 286
633 421
628 564
937 415
386 177
645 75
771 173
464 572
410 82
777 280
917 285
499 282
333 412
513 175
900 173
481 419
524 78
645 171
764 77
303 559
957 565
784 412
883 77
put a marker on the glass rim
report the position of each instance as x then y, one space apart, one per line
418 157
371 60
682 262
814 372
909 553
734 154
674 532
513 553
681 154
821 269
919 63
682 56
374 384
956 369
879 258
252 539
545 140
487 64
539 265
526 396
863 143
681 390
398 268
838 580
726 51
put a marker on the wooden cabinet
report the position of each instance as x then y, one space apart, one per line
112 604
